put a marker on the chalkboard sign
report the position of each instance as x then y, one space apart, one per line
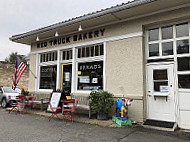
55 98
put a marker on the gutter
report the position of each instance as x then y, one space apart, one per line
83 18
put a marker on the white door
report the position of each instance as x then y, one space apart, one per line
160 92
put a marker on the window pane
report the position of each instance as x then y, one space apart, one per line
167 48
68 55
52 54
153 49
96 50
182 30
183 64
79 52
55 56
92 51
167 32
49 56
160 74
41 56
48 77
71 54
184 81
101 49
153 34
83 52
64 57
182 46
91 76
158 85
87 51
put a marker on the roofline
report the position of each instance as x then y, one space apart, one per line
83 18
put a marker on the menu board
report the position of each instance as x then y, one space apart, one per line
55 98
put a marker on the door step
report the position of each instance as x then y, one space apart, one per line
160 125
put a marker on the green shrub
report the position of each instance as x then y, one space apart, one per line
25 93
101 101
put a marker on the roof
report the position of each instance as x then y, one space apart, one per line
83 18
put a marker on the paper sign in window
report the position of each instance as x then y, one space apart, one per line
164 89
84 79
94 80
67 76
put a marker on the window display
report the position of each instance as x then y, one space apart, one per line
48 77
90 76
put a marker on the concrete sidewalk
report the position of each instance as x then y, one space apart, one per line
83 118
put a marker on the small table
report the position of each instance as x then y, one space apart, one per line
29 101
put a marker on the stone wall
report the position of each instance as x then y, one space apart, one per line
6 75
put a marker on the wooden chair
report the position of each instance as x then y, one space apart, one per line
68 108
54 111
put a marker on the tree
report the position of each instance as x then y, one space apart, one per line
11 58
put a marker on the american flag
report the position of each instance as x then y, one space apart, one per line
20 67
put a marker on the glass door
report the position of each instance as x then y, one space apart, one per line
66 77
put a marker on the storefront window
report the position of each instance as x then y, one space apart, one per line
67 54
48 77
90 76
46 57
90 51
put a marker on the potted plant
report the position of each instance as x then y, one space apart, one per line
101 102
25 92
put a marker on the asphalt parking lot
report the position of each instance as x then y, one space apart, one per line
36 128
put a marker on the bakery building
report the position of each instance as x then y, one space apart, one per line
138 50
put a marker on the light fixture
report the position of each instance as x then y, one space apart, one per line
37 38
80 28
56 34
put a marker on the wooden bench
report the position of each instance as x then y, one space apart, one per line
41 99
83 102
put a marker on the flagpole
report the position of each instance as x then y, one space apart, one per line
31 72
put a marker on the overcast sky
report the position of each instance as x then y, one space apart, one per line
19 16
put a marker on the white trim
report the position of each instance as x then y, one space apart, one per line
38 87
74 72
88 59
182 90
159 63
125 36
183 72
45 90
58 70
104 67
50 63
37 65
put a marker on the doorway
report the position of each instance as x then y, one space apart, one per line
160 92
66 77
